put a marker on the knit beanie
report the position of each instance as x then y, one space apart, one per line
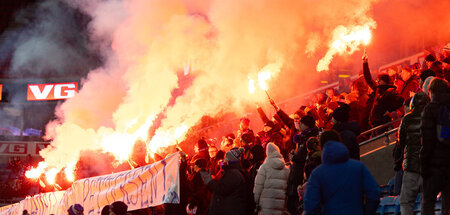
75 209
308 120
234 154
201 163
257 152
202 145
426 73
342 113
119 208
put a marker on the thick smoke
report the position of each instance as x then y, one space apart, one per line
224 43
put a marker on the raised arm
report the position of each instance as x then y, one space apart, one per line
367 76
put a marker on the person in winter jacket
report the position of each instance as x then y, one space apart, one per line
271 183
409 142
384 98
229 192
435 154
340 184
347 130
308 129
272 134
314 151
409 85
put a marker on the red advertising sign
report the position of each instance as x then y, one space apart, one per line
13 148
54 91
1 91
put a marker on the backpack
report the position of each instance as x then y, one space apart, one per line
443 125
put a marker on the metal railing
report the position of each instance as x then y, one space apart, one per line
379 127
384 135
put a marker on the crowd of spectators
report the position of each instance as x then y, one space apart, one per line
308 161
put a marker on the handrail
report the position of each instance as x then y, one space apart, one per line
380 126
385 134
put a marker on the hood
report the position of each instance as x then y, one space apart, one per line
274 158
351 126
334 153
442 98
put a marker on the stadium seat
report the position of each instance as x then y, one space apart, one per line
389 205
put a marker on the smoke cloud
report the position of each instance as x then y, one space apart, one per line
222 43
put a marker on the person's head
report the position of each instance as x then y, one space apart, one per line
330 92
234 155
247 139
341 114
75 209
118 208
105 210
312 144
257 154
406 73
268 126
429 59
244 123
307 122
212 151
25 212
383 78
419 101
436 67
438 85
201 146
329 135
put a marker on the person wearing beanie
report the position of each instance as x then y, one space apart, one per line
202 149
347 130
118 208
230 191
75 209
424 75
409 83
199 194
406 153
384 98
270 183
435 151
105 210
244 128
338 185
308 129
272 133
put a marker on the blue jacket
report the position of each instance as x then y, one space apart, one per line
339 184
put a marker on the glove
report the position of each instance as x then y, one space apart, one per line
206 176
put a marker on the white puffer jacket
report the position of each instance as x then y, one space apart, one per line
271 183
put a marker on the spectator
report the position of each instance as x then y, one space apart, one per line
409 141
339 185
199 195
384 99
271 182
347 130
179 209
308 129
244 127
410 83
429 59
75 209
272 134
426 84
25 212
202 149
434 154
118 208
424 75
227 142
105 210
314 152
229 192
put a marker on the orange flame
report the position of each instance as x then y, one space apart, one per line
346 40
251 86
35 173
263 77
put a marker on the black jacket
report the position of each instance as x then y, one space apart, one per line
349 131
383 99
229 193
409 141
433 152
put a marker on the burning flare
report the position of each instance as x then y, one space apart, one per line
346 40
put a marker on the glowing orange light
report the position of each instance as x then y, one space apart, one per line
346 40
35 173
251 86
263 77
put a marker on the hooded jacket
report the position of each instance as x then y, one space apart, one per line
339 184
271 183
349 131
433 152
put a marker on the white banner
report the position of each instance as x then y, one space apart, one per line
143 187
